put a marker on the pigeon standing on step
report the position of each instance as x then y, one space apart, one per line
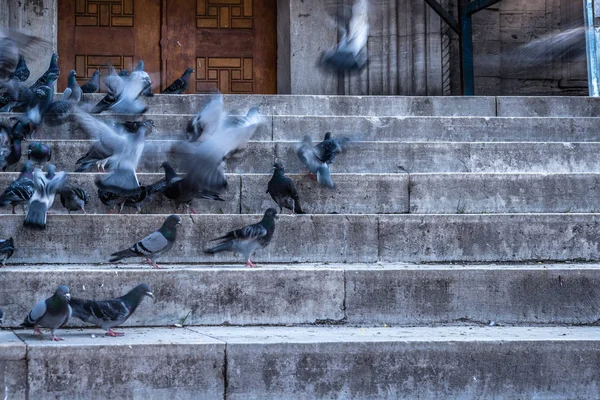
7 248
14 156
93 84
110 313
39 153
46 188
283 191
181 84
144 196
154 245
73 92
20 190
50 76
350 53
310 157
249 238
51 313
74 198
21 73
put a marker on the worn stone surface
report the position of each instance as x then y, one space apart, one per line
154 363
353 194
504 193
548 106
197 295
13 366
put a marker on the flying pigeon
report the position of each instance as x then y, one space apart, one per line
43 197
350 54
110 313
21 72
154 245
129 101
20 190
74 198
12 45
208 120
114 86
39 153
310 157
249 238
51 313
51 74
7 248
139 73
73 92
283 191
93 84
181 84
329 148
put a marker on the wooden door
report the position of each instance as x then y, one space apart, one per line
230 43
94 33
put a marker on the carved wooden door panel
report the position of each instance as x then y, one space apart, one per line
94 33
230 43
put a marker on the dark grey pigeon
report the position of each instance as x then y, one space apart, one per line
1 316
39 153
43 197
20 190
16 140
7 248
112 200
350 54
283 191
93 84
110 313
74 198
144 195
154 245
73 92
310 157
329 148
51 74
181 84
5 146
51 313
248 239
21 72
139 73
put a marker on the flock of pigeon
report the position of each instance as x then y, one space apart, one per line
212 136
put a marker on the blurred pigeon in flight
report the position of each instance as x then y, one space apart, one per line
43 197
141 75
310 157
13 45
50 76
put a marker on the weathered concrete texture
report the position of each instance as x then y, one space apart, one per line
430 294
483 238
200 296
145 363
92 238
391 363
548 106
504 193
353 194
439 129
13 366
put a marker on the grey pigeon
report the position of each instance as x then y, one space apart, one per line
21 73
114 87
181 84
112 200
283 191
110 313
310 157
5 146
58 112
154 245
15 149
12 45
7 248
248 239
144 196
39 153
129 101
43 197
208 120
20 190
139 73
73 92
330 147
50 76
350 54
74 198
93 84
51 313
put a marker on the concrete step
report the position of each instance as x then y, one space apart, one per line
364 128
378 157
327 362
246 194
548 106
350 294
322 238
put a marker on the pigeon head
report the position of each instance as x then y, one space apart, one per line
327 136
271 213
278 166
54 60
143 289
140 66
63 292
51 171
172 221
123 72
27 167
96 73
188 71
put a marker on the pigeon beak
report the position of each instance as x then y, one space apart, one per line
68 296
150 294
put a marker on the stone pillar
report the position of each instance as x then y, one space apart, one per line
33 17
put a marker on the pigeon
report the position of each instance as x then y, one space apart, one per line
13 45
43 197
17 95
110 313
74 198
21 73
144 195
15 150
124 73
21 190
329 148
129 102
181 84
51 74
7 248
114 86
143 76
134 126
310 157
112 200
5 146
1 316
208 120
283 191
154 245
249 238
39 153
57 112
51 313
350 54
73 92
93 84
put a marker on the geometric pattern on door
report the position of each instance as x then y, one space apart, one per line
228 74
104 13
224 14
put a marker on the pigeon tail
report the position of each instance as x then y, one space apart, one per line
119 255
225 246
297 208
324 177
36 215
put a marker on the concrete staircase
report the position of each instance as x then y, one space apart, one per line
457 258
